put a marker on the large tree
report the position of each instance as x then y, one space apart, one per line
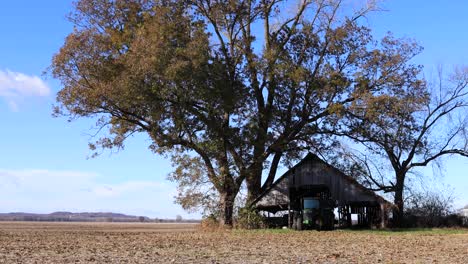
239 85
417 128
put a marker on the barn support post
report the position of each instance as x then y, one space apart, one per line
366 216
382 215
339 217
348 216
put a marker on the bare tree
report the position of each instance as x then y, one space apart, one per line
429 208
415 131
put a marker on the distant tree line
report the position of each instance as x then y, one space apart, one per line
89 217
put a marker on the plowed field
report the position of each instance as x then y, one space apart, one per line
184 243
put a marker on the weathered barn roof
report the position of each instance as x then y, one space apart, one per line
345 189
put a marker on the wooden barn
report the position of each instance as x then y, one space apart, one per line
315 195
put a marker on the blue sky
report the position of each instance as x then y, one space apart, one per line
43 160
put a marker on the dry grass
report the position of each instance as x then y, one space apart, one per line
183 243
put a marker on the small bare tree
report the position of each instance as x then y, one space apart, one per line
429 208
416 130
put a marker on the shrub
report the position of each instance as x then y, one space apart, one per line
431 209
248 218
209 223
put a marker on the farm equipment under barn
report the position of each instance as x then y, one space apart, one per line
312 209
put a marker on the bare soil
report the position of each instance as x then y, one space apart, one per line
28 242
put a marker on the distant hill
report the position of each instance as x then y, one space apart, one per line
74 217
87 217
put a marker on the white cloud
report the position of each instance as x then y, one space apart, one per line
46 180
43 191
15 85
127 188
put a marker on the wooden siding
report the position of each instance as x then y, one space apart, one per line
313 171
342 188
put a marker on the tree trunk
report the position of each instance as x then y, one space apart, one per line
272 173
254 184
253 190
398 200
254 178
226 204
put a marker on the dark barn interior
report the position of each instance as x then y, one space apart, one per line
316 195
